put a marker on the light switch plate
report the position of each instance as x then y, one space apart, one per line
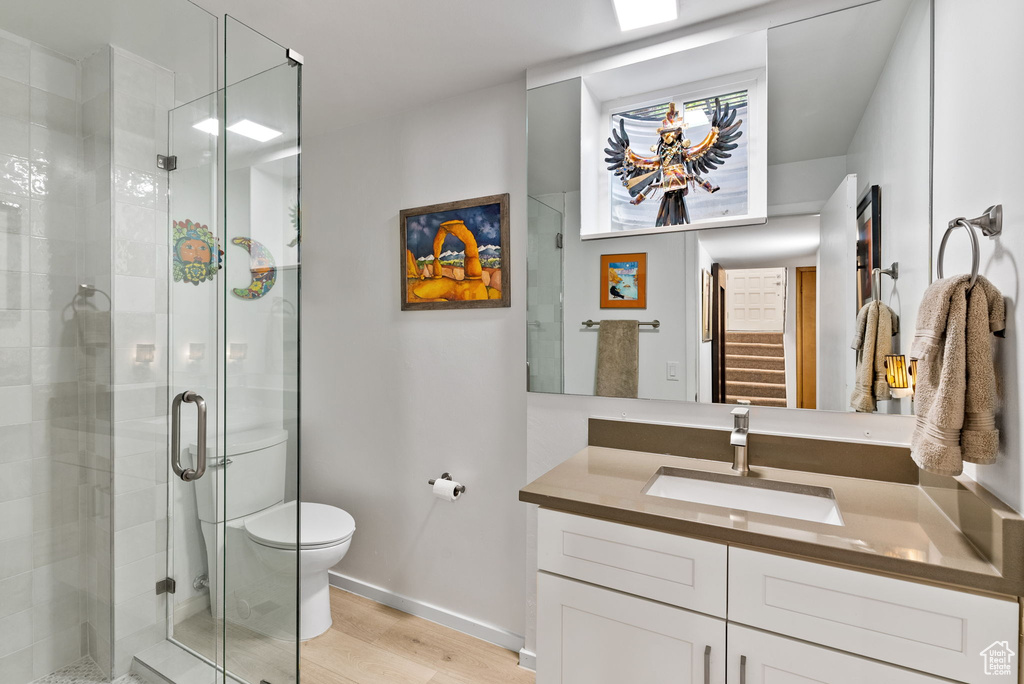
672 371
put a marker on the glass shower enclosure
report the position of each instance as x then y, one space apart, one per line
149 311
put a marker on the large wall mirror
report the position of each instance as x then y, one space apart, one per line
761 291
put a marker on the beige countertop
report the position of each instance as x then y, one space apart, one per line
944 530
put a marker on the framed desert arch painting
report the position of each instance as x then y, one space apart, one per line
455 255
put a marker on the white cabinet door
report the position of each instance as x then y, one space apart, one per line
942 631
670 568
589 635
761 658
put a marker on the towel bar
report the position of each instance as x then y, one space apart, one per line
990 224
654 324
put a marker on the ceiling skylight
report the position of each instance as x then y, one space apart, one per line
207 126
251 129
634 14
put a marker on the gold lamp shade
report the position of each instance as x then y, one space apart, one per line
896 371
899 376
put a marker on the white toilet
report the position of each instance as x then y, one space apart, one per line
256 554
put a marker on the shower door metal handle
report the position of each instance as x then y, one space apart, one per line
188 474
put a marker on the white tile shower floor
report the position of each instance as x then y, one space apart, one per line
85 671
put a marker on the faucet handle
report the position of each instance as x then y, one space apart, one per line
741 418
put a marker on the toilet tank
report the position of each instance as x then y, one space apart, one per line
251 472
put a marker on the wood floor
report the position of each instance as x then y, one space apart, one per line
369 643
372 644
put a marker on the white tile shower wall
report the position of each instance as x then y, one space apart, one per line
51 370
142 95
94 358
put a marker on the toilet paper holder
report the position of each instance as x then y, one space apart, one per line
460 490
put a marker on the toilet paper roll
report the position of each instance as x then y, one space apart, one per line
445 489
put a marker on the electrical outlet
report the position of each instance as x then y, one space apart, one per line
672 371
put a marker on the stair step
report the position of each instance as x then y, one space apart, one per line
765 337
755 401
756 374
763 390
758 362
754 349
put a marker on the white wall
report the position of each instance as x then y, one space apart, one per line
890 149
392 398
967 35
667 284
836 260
803 187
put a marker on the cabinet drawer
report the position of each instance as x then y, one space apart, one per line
684 572
590 635
761 658
940 631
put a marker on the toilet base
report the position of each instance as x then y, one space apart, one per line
314 588
314 604
261 576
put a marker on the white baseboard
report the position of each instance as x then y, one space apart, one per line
527 659
191 606
460 623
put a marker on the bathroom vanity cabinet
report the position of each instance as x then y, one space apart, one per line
618 603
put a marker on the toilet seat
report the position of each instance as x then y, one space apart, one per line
323 526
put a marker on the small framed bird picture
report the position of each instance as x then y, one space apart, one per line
624 281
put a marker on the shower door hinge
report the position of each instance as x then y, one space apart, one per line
167 162
294 57
165 586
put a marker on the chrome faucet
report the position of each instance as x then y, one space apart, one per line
740 426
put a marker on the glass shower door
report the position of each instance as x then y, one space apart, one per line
233 313
260 179
195 505
544 294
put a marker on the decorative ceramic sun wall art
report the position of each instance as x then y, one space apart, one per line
197 255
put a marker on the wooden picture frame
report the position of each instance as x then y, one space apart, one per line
455 255
869 242
624 281
705 305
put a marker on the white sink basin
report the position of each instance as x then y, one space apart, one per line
802 502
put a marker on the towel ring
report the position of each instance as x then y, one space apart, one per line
990 223
876 280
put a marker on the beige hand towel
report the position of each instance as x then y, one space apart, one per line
618 359
876 324
956 384
986 314
932 316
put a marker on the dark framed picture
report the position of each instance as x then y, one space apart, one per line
624 281
455 255
869 242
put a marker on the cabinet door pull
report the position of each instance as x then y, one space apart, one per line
707 664
743 669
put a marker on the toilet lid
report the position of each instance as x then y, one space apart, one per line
322 525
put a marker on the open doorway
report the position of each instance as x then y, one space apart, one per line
755 325
764 312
